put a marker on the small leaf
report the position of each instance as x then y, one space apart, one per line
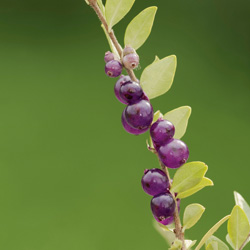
157 78
156 59
179 117
139 28
238 227
188 176
115 10
87 2
221 244
167 235
229 241
192 214
211 232
190 243
204 183
177 245
101 6
212 246
240 201
157 115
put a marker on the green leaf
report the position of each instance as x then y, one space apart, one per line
238 227
179 117
240 201
168 235
229 241
157 78
188 176
101 6
157 115
87 2
212 246
221 244
139 28
190 243
211 232
192 214
177 245
156 59
204 183
115 10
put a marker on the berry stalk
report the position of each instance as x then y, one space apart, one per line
94 5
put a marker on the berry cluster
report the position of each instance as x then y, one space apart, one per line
156 183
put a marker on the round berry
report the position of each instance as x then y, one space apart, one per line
131 92
162 206
123 79
161 132
109 56
113 68
131 61
128 50
139 115
155 181
130 129
174 153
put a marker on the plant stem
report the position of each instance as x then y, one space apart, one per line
94 5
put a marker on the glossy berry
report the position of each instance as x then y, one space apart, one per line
123 79
161 132
113 68
109 56
130 129
155 181
139 115
162 206
130 61
131 92
174 153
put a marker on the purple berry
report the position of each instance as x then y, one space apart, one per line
130 129
139 115
128 50
123 79
162 206
174 153
130 61
109 56
131 92
161 132
113 68
155 181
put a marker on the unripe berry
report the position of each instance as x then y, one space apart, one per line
131 92
123 79
154 182
130 61
128 50
109 56
113 68
174 153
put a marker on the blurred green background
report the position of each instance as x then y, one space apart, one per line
69 173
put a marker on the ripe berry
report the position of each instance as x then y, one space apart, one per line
113 68
130 129
130 61
162 206
131 92
155 181
123 79
139 115
174 153
109 56
161 132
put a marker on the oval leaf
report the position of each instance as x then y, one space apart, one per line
179 117
188 176
192 214
158 77
211 232
212 246
238 227
167 235
87 2
115 10
189 243
204 183
139 28
221 244
240 201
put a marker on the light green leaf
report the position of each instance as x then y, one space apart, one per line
111 45
192 214
115 10
156 59
190 243
240 201
204 183
229 241
165 233
212 246
238 227
177 245
211 232
87 2
157 115
221 244
179 117
139 28
101 6
157 78
188 176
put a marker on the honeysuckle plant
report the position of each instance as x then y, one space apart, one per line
166 130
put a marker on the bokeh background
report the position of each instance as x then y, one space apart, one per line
69 173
